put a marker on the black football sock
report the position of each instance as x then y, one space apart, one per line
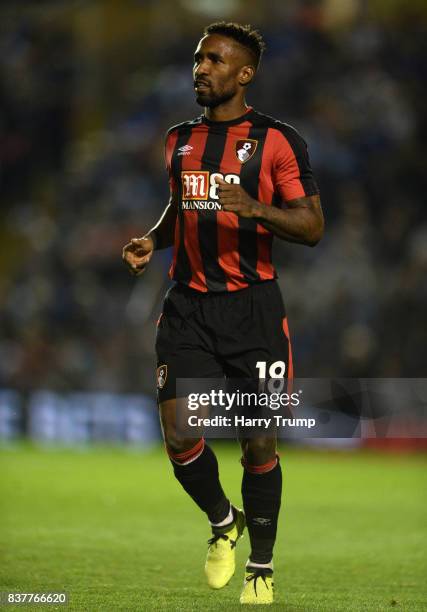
200 478
262 493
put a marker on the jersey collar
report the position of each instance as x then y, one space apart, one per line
236 121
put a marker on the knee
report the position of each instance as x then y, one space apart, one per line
181 450
173 442
177 443
259 451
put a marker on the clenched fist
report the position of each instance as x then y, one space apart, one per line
233 198
138 253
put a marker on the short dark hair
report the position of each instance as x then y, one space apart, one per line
245 35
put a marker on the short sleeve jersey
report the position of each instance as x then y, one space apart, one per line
216 250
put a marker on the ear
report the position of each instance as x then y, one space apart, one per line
246 75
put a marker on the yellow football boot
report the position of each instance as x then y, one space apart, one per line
220 561
258 586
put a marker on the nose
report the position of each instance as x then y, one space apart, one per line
202 68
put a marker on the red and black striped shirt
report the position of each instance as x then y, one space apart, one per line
216 250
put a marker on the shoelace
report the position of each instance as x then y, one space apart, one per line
221 536
258 573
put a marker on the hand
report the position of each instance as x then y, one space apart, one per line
137 254
233 198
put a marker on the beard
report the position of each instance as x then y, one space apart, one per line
212 99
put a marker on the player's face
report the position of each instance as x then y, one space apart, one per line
218 61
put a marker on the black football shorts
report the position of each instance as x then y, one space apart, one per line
239 334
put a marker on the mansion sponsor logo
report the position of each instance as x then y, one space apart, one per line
201 185
200 205
195 185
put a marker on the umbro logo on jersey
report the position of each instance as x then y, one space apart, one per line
185 150
245 149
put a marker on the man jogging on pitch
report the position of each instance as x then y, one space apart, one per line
238 178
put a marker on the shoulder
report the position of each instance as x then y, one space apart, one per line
185 126
289 132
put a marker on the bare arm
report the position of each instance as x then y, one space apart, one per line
163 232
301 220
138 252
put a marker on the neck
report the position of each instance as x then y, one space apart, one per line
232 109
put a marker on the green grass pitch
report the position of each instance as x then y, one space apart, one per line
113 529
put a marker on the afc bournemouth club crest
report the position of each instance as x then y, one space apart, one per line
162 374
245 149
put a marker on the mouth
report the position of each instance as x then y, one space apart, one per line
201 85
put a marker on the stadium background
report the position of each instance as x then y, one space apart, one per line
87 91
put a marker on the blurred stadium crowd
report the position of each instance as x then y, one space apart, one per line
87 91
